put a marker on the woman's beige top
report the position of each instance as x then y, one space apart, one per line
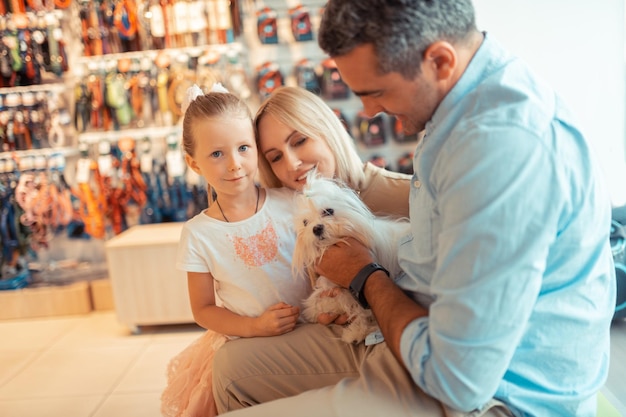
386 193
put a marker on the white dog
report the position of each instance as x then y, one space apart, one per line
327 212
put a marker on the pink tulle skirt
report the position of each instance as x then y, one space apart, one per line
189 391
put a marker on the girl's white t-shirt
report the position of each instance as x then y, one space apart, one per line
250 260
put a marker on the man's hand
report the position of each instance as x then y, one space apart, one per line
328 318
342 261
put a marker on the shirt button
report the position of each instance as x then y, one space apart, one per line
417 183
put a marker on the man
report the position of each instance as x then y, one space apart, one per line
509 288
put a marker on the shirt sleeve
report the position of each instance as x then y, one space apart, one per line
189 255
497 198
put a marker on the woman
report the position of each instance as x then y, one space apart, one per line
296 131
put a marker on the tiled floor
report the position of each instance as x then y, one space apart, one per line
91 366
85 366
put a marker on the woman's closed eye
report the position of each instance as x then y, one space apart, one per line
272 158
298 141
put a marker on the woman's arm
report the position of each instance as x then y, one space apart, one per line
277 319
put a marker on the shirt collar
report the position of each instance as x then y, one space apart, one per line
489 57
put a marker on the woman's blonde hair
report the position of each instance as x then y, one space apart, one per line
309 115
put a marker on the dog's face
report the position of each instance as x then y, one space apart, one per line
326 212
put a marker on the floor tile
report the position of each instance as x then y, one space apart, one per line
99 330
148 373
135 405
35 334
14 361
53 407
60 372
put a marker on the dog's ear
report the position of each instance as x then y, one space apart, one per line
297 259
311 179
301 264
312 275
302 201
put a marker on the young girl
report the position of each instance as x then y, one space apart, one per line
237 253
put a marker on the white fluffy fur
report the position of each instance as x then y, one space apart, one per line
326 212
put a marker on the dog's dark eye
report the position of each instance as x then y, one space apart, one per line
305 222
328 212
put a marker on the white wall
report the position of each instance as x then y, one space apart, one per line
578 46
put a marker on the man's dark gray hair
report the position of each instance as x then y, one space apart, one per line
400 30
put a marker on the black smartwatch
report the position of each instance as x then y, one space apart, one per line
357 284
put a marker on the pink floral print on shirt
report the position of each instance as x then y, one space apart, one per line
259 249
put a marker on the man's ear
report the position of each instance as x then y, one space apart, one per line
442 58
191 163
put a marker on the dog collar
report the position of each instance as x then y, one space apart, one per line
358 282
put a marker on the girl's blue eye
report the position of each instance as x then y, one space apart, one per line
243 148
216 154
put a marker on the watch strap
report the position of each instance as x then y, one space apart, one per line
358 282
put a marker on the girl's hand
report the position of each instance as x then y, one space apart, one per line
277 319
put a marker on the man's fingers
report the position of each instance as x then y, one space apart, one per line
326 318
331 292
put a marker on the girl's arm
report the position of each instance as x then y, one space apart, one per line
277 319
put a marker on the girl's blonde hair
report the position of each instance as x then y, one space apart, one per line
308 114
211 105
208 106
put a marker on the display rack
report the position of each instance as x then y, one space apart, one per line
232 49
285 53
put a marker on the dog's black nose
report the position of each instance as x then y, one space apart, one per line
318 230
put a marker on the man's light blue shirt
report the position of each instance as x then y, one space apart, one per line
510 242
